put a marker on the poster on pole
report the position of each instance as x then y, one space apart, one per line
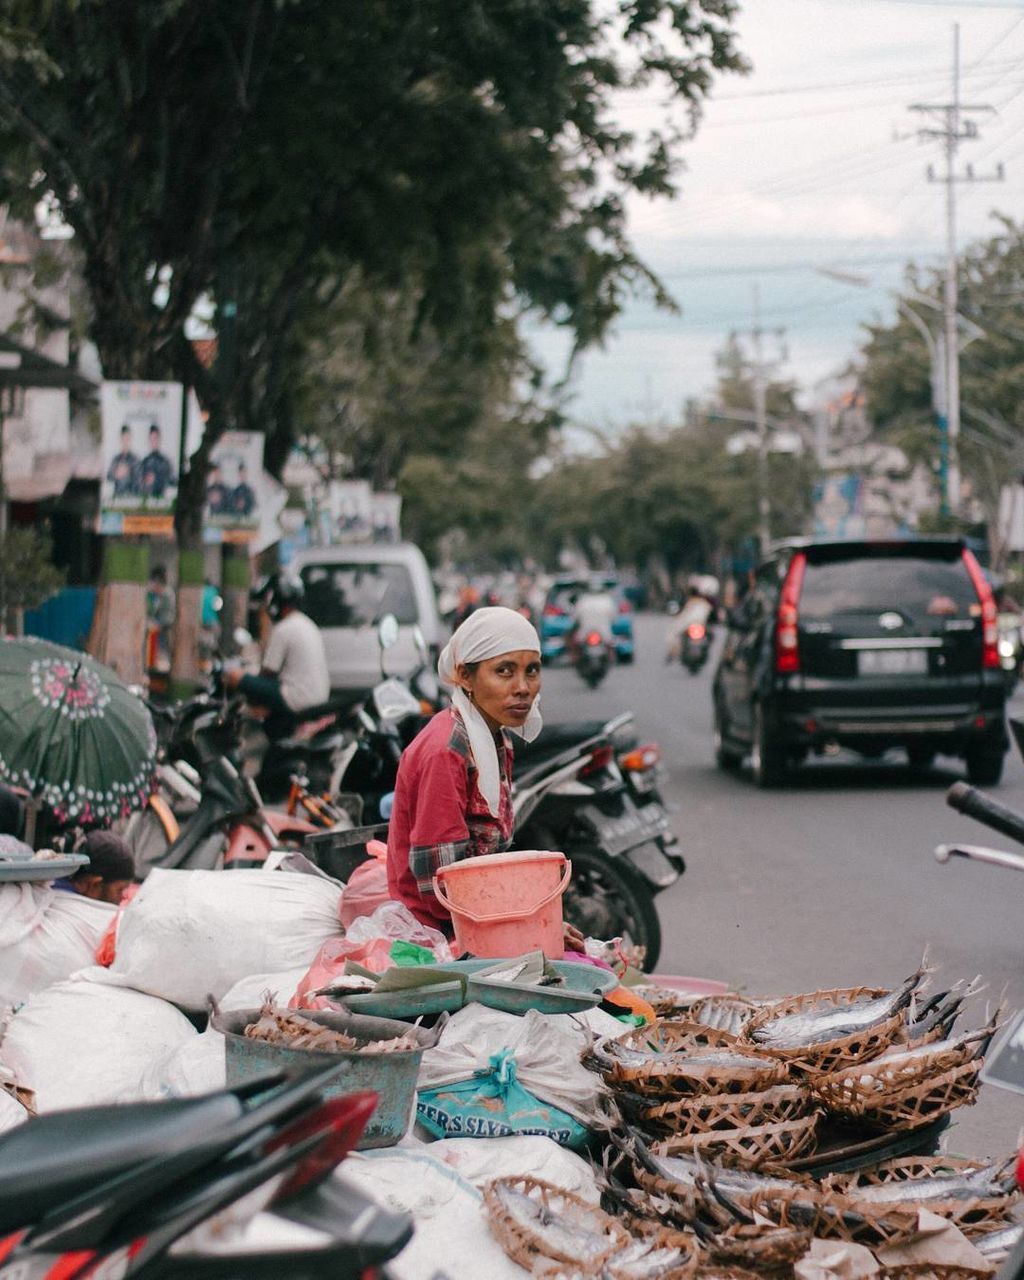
351 509
141 436
386 517
233 488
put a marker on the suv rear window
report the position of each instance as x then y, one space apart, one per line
356 595
922 588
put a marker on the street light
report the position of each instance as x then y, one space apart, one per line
936 347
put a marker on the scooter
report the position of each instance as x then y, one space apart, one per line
695 647
593 658
569 794
229 827
126 1190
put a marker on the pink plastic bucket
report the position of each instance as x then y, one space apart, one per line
506 903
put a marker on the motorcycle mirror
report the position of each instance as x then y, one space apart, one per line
387 631
242 637
419 640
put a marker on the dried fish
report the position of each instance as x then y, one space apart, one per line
897 1058
996 1245
641 1260
988 1182
291 1030
833 1022
556 1237
687 1173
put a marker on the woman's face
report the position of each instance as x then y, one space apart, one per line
503 689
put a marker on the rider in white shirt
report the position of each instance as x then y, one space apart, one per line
594 610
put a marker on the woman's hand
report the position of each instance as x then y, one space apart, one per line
572 939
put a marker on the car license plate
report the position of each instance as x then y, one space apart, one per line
892 662
633 826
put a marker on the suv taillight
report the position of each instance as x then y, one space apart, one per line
787 647
989 624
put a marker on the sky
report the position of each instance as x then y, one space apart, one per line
810 162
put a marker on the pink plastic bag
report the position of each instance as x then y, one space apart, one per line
367 886
368 942
329 963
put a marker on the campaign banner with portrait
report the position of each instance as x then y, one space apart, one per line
233 487
141 426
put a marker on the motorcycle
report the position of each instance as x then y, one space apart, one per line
593 658
130 1190
695 647
975 804
229 826
569 793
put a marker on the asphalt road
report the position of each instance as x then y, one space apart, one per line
829 882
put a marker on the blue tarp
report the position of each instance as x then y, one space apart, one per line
65 619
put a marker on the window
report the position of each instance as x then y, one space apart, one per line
920 588
358 595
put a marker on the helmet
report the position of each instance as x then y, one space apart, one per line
278 592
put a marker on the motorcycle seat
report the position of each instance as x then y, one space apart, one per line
63 1154
553 739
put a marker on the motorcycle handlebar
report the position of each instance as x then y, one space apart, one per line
982 808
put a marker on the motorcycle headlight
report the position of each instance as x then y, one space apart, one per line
1006 648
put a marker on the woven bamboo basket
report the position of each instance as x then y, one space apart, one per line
729 1012
834 1217
661 1237
930 1271
714 1271
848 1091
678 1035
973 1217
908 1106
528 1246
761 1248
748 1147
707 1112
684 1074
828 1055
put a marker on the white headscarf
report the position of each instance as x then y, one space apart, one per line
487 633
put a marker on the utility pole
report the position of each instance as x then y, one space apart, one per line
762 370
953 126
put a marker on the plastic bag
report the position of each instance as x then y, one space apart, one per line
46 934
190 934
508 1055
86 1041
494 1104
368 942
397 923
367 887
107 949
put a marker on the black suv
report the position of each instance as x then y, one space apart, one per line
867 645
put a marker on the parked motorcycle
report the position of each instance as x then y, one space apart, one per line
125 1190
229 827
593 658
975 804
695 646
570 794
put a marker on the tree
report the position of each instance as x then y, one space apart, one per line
895 370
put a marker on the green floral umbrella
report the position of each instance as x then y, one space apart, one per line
72 734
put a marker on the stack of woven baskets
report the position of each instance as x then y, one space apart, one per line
763 1104
738 1106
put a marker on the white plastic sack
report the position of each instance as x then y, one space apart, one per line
520 1156
45 935
248 993
197 1066
451 1233
12 1113
547 1059
86 1041
191 934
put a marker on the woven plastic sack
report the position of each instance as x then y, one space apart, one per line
86 1041
494 1104
191 934
46 934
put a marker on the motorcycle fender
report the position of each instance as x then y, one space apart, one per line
653 864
